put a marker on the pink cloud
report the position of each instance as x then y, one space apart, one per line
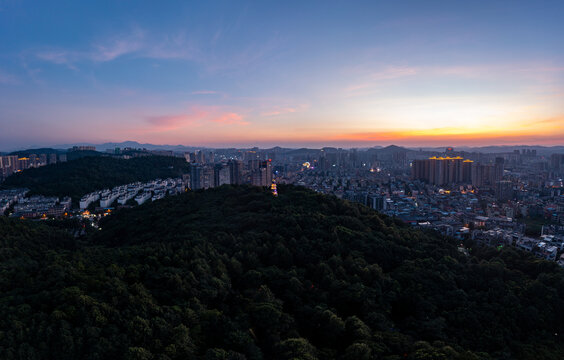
279 112
197 117
356 87
173 122
230 119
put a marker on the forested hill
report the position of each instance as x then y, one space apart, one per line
78 177
235 273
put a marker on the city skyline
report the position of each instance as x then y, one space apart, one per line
292 74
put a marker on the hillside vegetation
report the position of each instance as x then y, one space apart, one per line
235 273
78 177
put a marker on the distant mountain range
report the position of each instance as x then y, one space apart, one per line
500 149
130 144
541 150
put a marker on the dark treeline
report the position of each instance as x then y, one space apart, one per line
78 177
235 273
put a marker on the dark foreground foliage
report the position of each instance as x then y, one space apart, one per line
234 273
78 177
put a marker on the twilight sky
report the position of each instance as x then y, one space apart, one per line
291 73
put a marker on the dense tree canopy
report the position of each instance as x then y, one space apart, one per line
235 273
78 177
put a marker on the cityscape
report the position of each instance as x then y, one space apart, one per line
509 198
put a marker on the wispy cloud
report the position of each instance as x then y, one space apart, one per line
177 46
285 110
204 92
394 72
116 47
242 59
6 78
375 78
279 112
136 43
370 81
55 56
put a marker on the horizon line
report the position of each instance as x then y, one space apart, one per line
251 146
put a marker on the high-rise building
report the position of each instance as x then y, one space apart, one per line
267 165
235 172
23 163
499 167
557 162
210 157
467 171
199 157
208 177
262 176
376 202
33 160
221 175
196 177
477 175
442 170
12 164
504 190
487 174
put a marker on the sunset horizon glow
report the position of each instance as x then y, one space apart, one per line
290 74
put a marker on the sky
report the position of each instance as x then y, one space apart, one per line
288 73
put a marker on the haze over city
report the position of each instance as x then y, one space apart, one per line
313 74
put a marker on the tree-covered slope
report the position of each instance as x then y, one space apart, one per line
235 273
78 177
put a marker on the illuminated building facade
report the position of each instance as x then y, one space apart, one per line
10 164
442 170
